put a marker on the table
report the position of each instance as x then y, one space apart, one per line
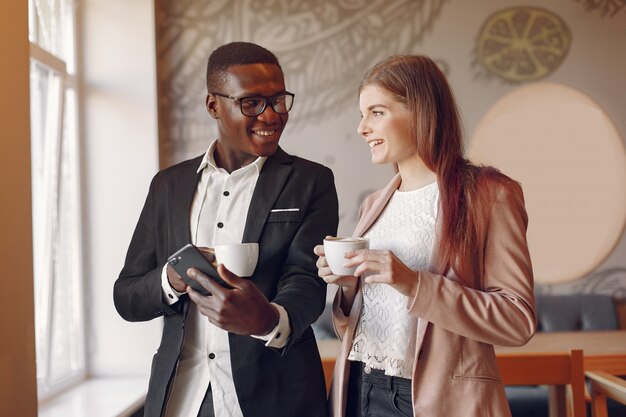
603 350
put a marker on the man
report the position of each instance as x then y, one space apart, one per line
249 350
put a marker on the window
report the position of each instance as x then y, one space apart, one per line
57 247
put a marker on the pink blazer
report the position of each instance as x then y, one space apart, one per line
455 371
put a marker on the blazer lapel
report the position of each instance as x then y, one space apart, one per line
182 197
377 207
269 185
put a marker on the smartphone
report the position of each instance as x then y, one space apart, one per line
189 256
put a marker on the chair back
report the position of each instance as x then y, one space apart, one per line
557 369
604 385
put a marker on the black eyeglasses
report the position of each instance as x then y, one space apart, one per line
253 106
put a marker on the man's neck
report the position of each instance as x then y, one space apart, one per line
231 161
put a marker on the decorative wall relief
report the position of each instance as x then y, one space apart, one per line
523 43
324 47
607 8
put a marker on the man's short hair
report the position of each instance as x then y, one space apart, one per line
234 53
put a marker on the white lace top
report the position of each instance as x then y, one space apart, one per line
385 334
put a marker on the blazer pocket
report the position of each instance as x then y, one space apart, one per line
477 378
284 216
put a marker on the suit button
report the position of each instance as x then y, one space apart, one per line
211 355
226 193
220 225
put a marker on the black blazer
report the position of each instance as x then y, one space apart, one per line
269 382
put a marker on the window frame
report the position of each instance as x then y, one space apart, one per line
61 82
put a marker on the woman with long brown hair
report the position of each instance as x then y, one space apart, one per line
447 274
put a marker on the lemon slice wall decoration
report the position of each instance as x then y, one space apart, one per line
523 43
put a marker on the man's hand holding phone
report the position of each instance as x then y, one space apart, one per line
176 281
190 256
241 308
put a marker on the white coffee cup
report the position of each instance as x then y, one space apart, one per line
335 249
238 258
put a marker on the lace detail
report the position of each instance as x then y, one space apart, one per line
385 334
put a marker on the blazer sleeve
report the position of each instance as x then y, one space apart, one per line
502 312
137 292
300 290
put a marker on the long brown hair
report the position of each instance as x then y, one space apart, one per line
418 83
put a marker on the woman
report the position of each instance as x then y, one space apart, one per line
447 275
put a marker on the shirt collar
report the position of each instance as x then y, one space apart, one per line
208 161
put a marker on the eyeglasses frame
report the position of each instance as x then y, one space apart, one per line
265 101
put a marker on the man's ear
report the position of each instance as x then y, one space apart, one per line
211 106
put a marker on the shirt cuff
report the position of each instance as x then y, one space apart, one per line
278 337
170 295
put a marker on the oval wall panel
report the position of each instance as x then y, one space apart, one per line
570 159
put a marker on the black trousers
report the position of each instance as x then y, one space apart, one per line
371 393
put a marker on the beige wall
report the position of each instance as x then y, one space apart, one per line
18 387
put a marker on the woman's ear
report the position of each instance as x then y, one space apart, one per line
211 106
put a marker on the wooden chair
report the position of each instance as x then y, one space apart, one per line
558 370
556 313
604 385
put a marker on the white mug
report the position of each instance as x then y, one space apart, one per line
238 258
335 249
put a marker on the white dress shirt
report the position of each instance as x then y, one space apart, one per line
218 215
